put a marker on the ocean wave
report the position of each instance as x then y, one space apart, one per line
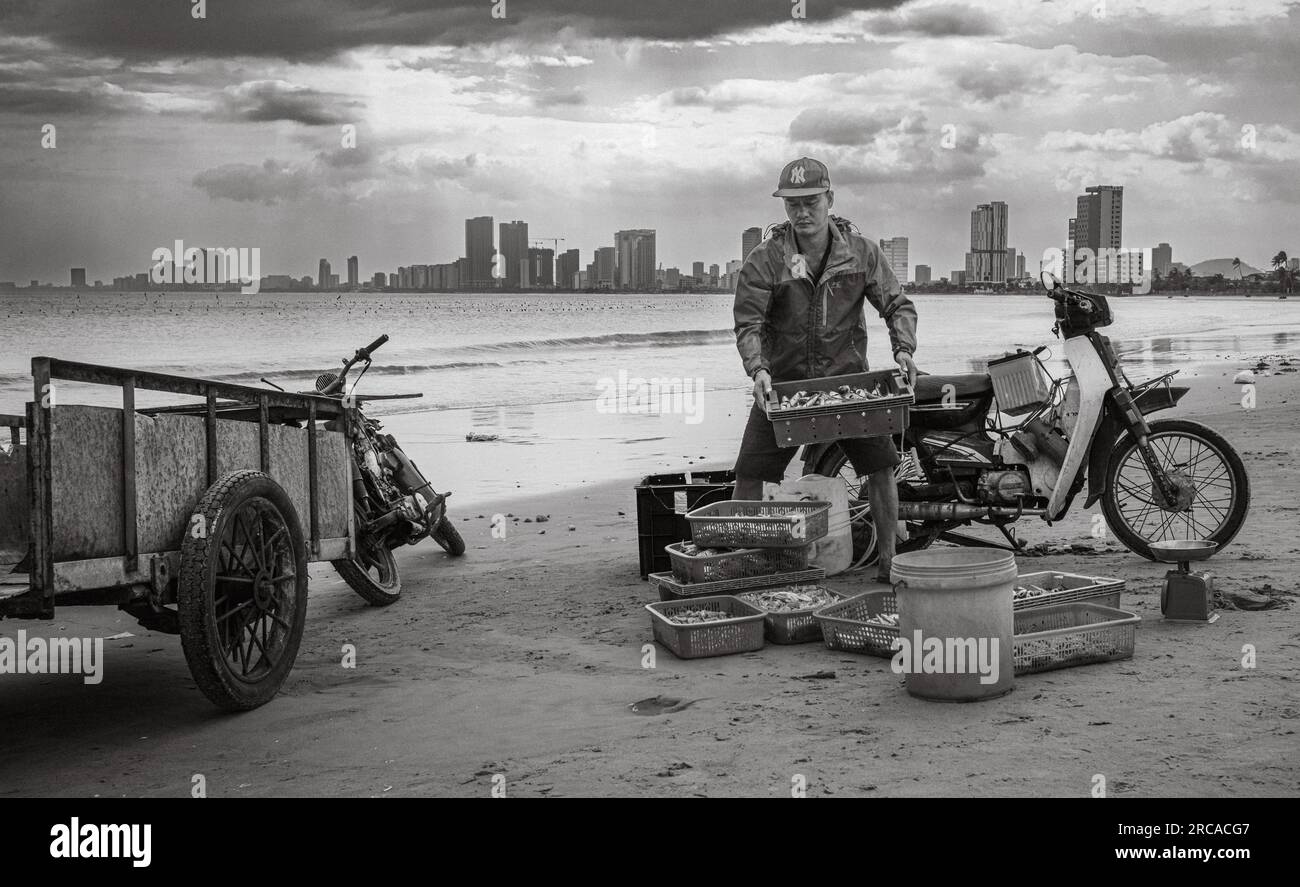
654 339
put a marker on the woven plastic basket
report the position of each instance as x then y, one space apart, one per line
736 564
755 524
672 590
1097 589
848 625
1066 635
742 632
794 627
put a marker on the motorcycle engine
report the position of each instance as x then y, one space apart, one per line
1003 487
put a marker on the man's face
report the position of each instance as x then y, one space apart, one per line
809 215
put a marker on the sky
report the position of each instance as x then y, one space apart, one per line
327 128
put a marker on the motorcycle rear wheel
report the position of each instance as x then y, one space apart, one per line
835 463
372 571
1222 489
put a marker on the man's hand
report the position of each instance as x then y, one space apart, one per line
904 361
762 387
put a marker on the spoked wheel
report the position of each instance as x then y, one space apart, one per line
242 596
372 571
446 535
835 463
1213 489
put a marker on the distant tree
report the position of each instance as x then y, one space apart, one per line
1285 277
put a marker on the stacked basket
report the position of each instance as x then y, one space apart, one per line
739 550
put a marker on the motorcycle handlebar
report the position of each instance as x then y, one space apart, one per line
375 345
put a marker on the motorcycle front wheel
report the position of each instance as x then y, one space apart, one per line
446 535
1201 462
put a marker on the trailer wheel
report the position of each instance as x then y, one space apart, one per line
242 594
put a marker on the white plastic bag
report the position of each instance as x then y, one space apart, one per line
834 551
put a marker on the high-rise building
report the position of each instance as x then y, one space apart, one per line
895 250
922 274
378 280
636 259
714 272
748 240
512 240
393 281
1098 226
1011 262
354 271
1020 265
697 270
987 260
958 278
541 266
566 267
672 278
78 276
605 268
1162 259
323 277
479 250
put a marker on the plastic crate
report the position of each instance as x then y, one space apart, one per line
757 524
804 425
847 625
1096 589
794 627
742 632
672 590
735 564
662 501
1019 383
1066 635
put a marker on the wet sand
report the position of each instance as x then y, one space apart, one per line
521 659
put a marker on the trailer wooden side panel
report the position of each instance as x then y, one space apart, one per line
14 510
171 476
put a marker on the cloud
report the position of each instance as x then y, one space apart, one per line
269 183
266 100
315 29
941 20
1191 138
840 126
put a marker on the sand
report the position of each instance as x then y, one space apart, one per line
515 666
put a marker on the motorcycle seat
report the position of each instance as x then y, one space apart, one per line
969 385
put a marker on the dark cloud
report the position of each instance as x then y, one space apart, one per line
990 82
269 183
549 98
935 21
264 100
300 29
840 126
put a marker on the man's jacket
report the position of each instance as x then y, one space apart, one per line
796 331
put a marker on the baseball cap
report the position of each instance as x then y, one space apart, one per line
803 178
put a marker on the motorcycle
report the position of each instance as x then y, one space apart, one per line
394 504
963 464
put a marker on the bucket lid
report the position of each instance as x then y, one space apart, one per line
973 562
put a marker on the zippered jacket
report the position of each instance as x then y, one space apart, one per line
794 330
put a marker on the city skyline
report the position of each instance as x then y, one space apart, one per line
380 141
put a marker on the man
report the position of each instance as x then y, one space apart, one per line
800 315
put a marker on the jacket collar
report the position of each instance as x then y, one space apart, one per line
841 257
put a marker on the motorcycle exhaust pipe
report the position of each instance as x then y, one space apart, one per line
928 511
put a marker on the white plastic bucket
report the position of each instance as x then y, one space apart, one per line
956 625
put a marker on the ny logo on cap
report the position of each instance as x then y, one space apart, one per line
796 175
